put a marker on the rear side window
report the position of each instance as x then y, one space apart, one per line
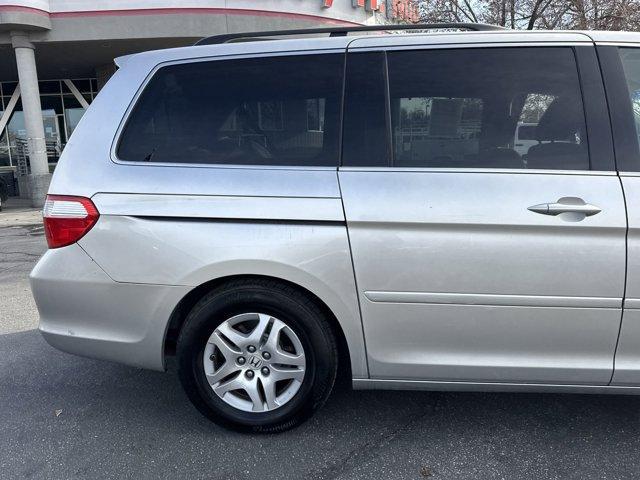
259 111
474 108
631 64
365 140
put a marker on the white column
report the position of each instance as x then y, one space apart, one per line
37 149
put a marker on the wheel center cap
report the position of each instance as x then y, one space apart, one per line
255 361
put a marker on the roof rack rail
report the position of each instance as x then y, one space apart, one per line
343 31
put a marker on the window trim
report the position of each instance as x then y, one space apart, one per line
594 102
245 56
505 171
388 120
585 69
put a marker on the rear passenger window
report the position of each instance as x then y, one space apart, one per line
631 64
485 108
365 139
260 111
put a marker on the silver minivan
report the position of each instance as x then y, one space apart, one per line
277 213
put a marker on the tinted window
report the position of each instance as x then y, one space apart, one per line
262 111
365 140
463 108
631 64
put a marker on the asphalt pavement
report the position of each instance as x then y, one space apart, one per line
64 417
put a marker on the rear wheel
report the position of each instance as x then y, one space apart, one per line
257 355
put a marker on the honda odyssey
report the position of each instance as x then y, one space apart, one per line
274 213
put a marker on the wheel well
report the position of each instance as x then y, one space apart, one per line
180 312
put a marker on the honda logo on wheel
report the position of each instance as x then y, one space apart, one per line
255 361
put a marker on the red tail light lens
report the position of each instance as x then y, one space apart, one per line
67 219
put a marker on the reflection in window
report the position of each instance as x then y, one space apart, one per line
270 115
315 114
211 112
635 102
631 63
424 121
534 107
532 111
464 108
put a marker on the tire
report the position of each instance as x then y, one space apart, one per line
302 319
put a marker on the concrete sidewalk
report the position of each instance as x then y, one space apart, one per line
21 244
18 211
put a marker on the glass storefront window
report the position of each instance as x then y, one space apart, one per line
16 127
9 87
61 114
73 112
73 116
16 130
5 159
49 87
83 86
52 134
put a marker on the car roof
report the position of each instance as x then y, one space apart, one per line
340 43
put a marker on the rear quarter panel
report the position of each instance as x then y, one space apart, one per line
192 251
184 225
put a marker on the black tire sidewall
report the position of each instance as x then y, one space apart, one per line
294 310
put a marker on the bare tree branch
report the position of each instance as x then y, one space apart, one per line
530 14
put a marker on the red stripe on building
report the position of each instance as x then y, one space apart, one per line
21 9
175 11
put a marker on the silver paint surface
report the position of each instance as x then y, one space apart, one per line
465 283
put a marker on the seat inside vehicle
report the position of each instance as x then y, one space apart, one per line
561 130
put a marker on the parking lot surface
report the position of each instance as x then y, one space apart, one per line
67 417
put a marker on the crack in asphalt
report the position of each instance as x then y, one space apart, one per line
9 268
21 253
369 450
27 226
21 234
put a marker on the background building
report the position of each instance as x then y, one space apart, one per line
56 54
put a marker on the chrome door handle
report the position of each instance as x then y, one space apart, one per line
572 205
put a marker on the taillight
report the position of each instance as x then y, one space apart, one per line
67 219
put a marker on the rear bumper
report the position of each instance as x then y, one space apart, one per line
84 312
